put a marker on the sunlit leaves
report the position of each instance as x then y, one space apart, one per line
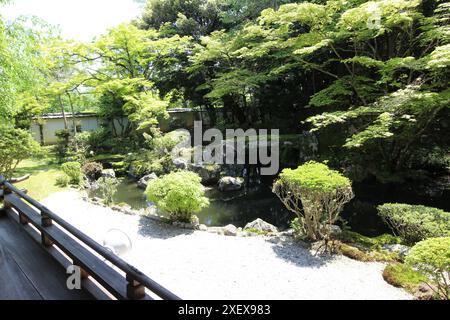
439 58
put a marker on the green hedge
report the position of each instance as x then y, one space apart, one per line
415 223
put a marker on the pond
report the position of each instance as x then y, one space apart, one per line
225 208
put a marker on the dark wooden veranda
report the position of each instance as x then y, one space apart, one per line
37 246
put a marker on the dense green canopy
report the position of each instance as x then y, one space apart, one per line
370 78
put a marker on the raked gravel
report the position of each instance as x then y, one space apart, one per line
200 265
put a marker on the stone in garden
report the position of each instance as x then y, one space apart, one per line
210 173
195 221
402 250
261 225
231 184
203 227
230 230
143 182
108 173
217 230
180 163
424 292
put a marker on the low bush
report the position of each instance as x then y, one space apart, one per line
62 180
62 144
108 188
374 243
415 223
73 171
316 194
180 194
403 276
432 258
92 170
364 255
79 147
15 145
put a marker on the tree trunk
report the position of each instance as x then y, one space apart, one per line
63 112
73 114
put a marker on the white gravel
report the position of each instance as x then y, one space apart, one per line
200 265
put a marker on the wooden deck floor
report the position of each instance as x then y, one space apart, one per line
27 271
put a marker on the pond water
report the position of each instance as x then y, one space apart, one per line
225 208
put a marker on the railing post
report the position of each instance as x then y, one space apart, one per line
135 290
46 222
83 273
6 205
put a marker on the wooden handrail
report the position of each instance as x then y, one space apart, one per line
135 277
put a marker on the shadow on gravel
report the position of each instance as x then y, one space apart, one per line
158 230
304 258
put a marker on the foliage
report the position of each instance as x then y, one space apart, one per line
371 243
62 144
108 188
62 181
403 276
316 194
415 223
158 157
432 258
92 170
16 145
23 71
180 194
378 70
367 255
78 149
73 171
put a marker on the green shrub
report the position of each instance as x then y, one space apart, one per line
367 255
415 223
432 258
62 180
79 146
62 144
180 194
108 188
92 170
73 171
316 194
403 276
375 243
15 145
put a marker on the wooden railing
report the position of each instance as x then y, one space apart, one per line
69 246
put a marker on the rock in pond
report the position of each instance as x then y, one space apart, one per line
143 182
261 225
108 173
230 230
231 184
210 173
180 163
402 250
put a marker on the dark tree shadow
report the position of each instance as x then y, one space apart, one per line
300 255
159 230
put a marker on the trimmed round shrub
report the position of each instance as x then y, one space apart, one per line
415 223
180 194
73 171
92 170
316 194
432 258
